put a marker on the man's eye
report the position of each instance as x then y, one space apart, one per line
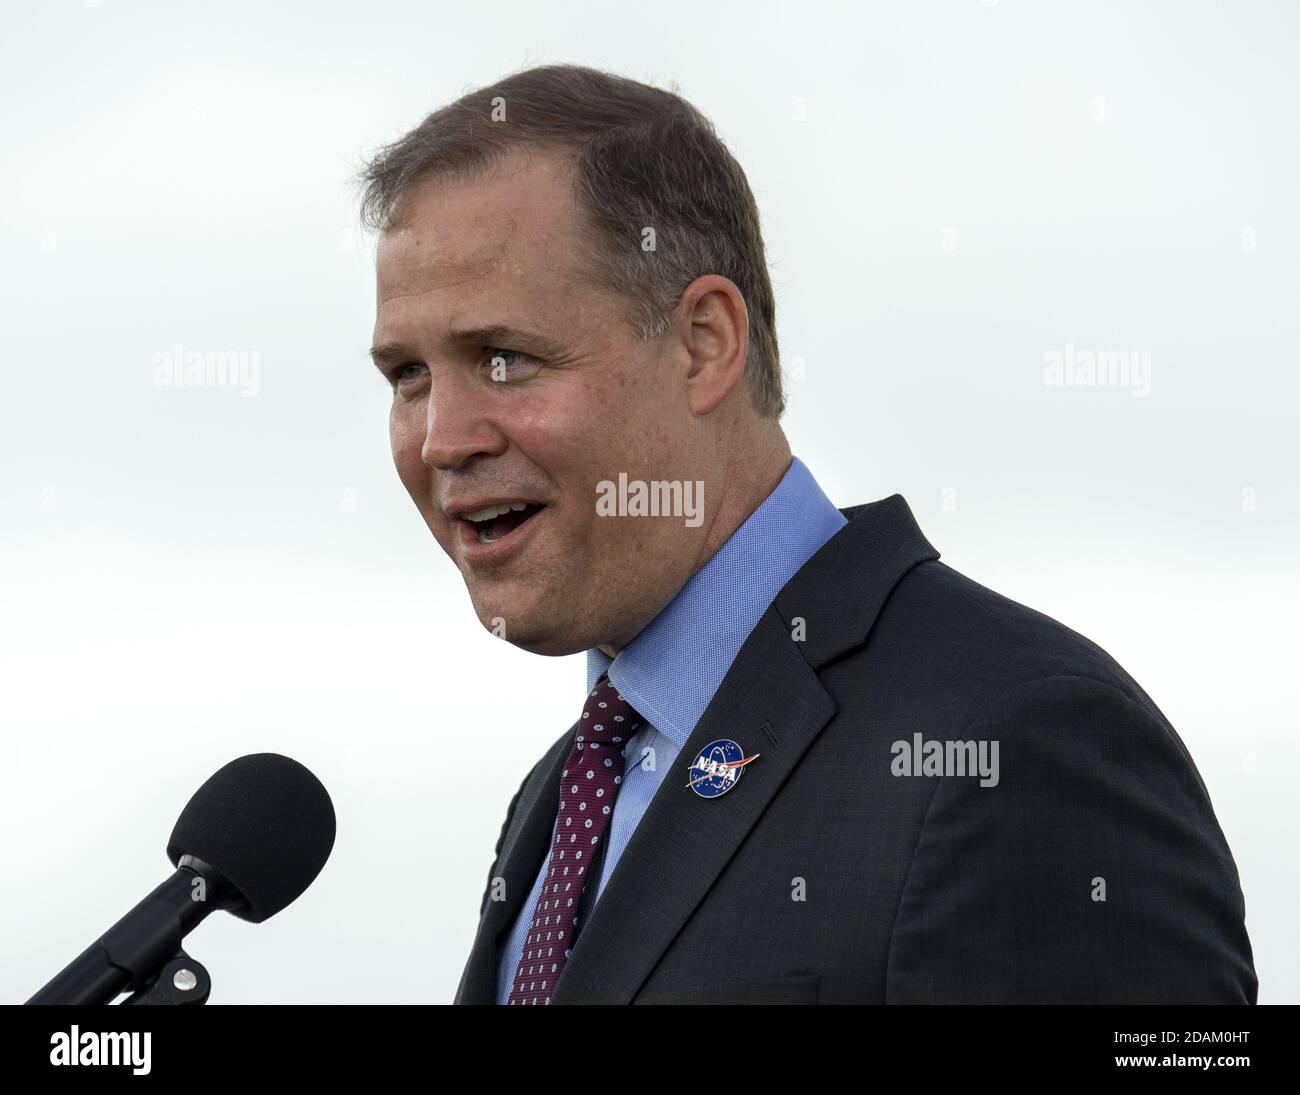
400 373
509 364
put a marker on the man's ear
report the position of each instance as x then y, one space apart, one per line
717 339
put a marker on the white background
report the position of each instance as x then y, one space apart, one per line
950 191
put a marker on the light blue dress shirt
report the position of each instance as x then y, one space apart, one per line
672 669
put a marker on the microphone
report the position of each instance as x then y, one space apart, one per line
249 841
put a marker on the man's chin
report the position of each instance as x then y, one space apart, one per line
544 640
549 646
532 629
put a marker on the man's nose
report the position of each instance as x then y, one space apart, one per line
458 427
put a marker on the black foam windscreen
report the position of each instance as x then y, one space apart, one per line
266 823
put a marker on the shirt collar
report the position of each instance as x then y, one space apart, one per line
672 669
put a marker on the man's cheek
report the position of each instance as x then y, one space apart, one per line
405 438
412 471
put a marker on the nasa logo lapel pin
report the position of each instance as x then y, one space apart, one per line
718 768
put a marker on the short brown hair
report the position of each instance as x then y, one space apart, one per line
644 158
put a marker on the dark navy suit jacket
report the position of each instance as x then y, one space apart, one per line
823 876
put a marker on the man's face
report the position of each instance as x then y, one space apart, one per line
540 416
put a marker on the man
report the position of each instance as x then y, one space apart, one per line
813 763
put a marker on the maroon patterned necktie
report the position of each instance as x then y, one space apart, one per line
588 788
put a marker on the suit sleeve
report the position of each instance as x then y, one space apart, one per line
1094 871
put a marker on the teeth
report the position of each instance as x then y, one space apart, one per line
491 512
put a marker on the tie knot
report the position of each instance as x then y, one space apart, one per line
607 718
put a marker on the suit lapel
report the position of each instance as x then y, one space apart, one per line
771 702
684 841
526 842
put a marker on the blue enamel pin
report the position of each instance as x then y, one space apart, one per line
718 768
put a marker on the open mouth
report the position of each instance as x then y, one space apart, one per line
497 522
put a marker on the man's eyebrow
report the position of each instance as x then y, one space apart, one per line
389 353
492 334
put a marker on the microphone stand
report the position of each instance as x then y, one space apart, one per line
181 981
143 952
